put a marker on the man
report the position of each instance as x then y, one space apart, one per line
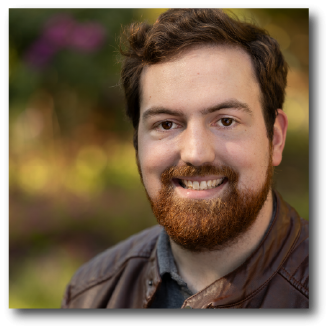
205 94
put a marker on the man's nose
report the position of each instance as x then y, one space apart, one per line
197 146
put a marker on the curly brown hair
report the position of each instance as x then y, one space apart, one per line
178 29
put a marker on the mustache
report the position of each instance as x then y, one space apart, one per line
190 171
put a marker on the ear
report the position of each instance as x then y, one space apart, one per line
279 137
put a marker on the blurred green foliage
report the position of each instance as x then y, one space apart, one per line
74 186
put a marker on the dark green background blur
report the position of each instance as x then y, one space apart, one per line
73 185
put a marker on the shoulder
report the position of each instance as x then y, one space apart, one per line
105 265
296 267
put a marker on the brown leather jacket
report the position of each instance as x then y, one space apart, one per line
276 275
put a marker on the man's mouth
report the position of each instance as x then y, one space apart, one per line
202 185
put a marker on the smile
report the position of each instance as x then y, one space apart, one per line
202 185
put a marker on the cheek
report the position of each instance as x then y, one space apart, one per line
250 158
154 158
242 155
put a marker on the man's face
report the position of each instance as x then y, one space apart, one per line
202 109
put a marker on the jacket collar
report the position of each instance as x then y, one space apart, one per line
152 279
258 269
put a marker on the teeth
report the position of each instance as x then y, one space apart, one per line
203 185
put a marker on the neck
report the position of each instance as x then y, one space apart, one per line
200 269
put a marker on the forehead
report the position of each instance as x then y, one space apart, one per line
200 76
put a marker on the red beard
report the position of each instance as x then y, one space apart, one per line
199 225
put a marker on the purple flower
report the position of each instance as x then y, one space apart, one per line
62 31
87 37
40 53
58 30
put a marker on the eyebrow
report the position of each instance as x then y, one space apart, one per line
235 104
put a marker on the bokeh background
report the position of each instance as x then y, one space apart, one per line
74 189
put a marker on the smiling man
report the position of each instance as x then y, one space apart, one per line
205 94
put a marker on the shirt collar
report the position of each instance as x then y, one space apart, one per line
166 261
164 252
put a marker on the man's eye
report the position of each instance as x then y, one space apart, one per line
167 125
226 121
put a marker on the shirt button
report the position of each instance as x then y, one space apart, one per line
188 307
